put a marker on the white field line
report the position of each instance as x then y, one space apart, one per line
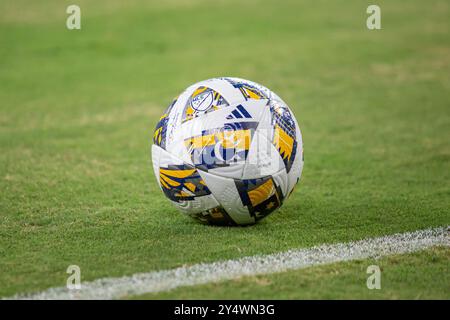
157 281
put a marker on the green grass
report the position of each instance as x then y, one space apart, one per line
412 276
78 109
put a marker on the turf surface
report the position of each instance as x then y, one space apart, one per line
420 275
78 109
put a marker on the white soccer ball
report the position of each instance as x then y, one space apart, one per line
227 151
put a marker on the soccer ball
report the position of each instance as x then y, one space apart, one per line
227 151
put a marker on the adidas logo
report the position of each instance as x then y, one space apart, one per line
239 113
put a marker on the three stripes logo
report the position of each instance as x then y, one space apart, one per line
239 113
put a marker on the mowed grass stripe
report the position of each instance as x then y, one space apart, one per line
159 281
